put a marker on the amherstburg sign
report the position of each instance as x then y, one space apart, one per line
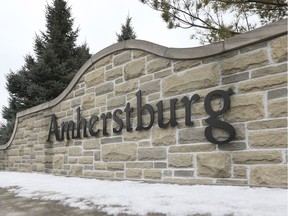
72 130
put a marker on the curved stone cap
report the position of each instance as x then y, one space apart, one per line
243 40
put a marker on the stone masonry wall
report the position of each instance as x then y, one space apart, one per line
257 156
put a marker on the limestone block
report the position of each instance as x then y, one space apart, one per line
103 61
157 64
264 71
163 137
151 154
117 102
240 171
263 83
162 74
180 160
115 166
257 157
99 166
192 148
191 135
138 54
75 151
150 87
104 88
277 108
88 101
133 173
100 174
267 124
216 165
245 107
243 62
127 87
134 69
58 161
114 73
142 165
269 175
152 174
268 138
194 79
122 58
185 65
136 135
86 160
91 144
183 173
279 49
119 152
94 77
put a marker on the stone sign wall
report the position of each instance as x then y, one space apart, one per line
104 95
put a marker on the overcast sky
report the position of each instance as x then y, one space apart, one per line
98 20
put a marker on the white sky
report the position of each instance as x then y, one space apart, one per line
115 197
98 20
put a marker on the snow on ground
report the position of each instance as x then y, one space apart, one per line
116 197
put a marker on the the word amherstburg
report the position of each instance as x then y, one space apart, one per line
70 128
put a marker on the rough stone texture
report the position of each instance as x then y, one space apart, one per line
269 70
277 108
216 165
133 173
119 152
264 83
151 154
88 101
194 79
95 77
257 157
134 69
192 148
266 124
268 138
152 174
122 58
245 107
157 64
114 73
184 65
180 160
163 137
279 49
269 175
243 62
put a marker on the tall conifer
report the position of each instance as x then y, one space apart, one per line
46 74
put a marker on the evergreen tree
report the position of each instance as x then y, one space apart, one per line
45 76
127 31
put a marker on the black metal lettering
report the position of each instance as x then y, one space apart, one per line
104 117
212 121
187 103
92 122
173 122
140 111
83 122
128 110
118 121
53 129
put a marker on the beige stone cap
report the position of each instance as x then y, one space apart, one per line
243 40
